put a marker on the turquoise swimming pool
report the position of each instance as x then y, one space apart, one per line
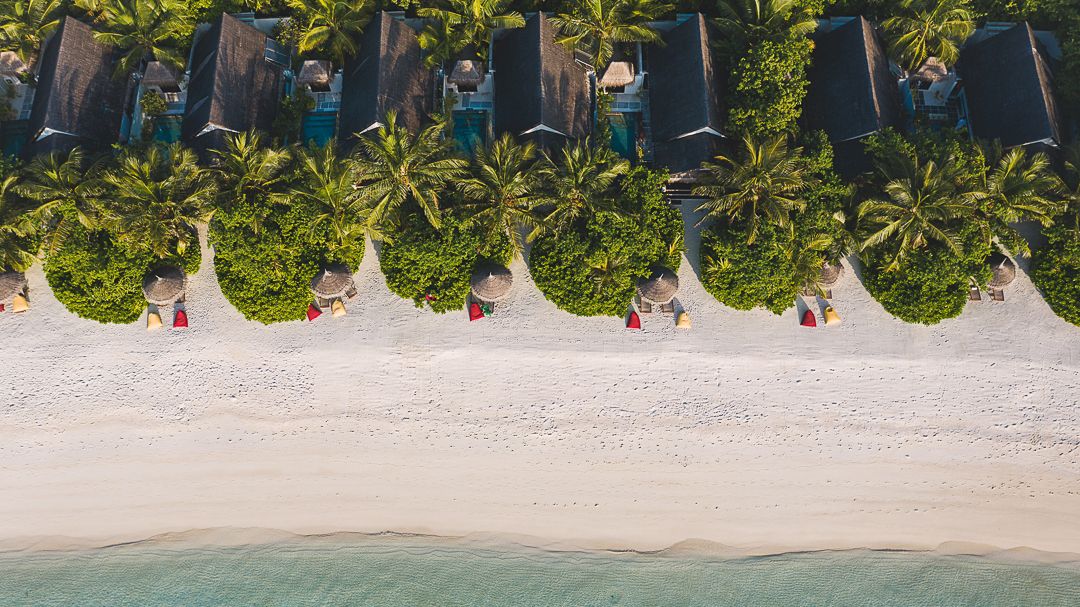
318 128
470 129
167 129
13 134
624 135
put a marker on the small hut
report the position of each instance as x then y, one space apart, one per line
11 65
467 75
161 76
164 286
1004 270
316 74
617 75
332 282
11 285
933 70
831 274
660 287
491 282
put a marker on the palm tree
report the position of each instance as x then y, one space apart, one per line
16 253
1019 188
917 209
156 200
925 29
66 193
607 269
249 174
464 23
143 29
24 25
332 25
747 21
579 184
327 186
596 25
765 182
503 192
396 169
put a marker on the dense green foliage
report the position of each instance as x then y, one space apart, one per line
593 269
746 276
768 86
431 266
1056 270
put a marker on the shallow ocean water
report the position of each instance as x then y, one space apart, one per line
390 572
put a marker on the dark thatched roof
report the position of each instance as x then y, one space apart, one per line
234 87
315 73
831 273
491 282
161 75
852 94
387 73
1008 85
467 73
540 90
1003 269
164 286
78 102
333 281
660 287
11 284
686 90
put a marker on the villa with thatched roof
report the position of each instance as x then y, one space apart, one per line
686 88
852 92
541 91
386 74
78 102
1009 88
236 83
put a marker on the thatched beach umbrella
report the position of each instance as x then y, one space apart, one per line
467 73
332 282
491 282
315 74
660 287
619 73
164 286
11 284
1003 268
831 274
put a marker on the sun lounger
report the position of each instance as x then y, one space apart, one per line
351 293
997 294
668 308
645 306
975 294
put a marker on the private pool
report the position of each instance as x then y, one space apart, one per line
470 129
624 135
318 128
167 129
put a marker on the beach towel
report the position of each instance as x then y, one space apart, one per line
180 320
809 319
313 312
634 322
475 312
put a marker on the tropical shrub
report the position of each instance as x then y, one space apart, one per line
768 87
747 276
1056 270
431 266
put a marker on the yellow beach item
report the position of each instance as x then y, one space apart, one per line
337 308
682 321
153 321
831 317
19 304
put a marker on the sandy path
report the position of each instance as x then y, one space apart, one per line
747 430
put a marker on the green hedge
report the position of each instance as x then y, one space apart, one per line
1056 271
423 262
744 276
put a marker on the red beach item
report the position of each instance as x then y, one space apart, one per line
313 312
180 320
2 308
809 319
634 322
475 313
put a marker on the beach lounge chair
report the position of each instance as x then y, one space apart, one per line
831 317
475 311
351 293
634 321
337 309
997 294
180 320
313 312
153 320
975 294
19 304
645 306
809 319
668 308
682 321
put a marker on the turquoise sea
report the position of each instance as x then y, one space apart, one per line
409 571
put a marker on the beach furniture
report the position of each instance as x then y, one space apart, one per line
682 321
313 312
332 283
490 283
633 321
658 291
337 309
153 320
180 320
475 311
1004 272
831 317
809 319
974 294
997 294
19 304
164 286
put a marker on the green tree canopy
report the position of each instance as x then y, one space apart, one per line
929 28
25 24
596 26
142 29
431 266
461 24
331 26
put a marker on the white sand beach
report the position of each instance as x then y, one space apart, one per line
747 430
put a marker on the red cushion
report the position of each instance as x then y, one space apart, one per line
180 321
634 322
2 307
809 319
313 312
475 313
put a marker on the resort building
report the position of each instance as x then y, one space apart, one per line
1009 88
78 101
686 90
541 92
853 92
236 82
387 73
